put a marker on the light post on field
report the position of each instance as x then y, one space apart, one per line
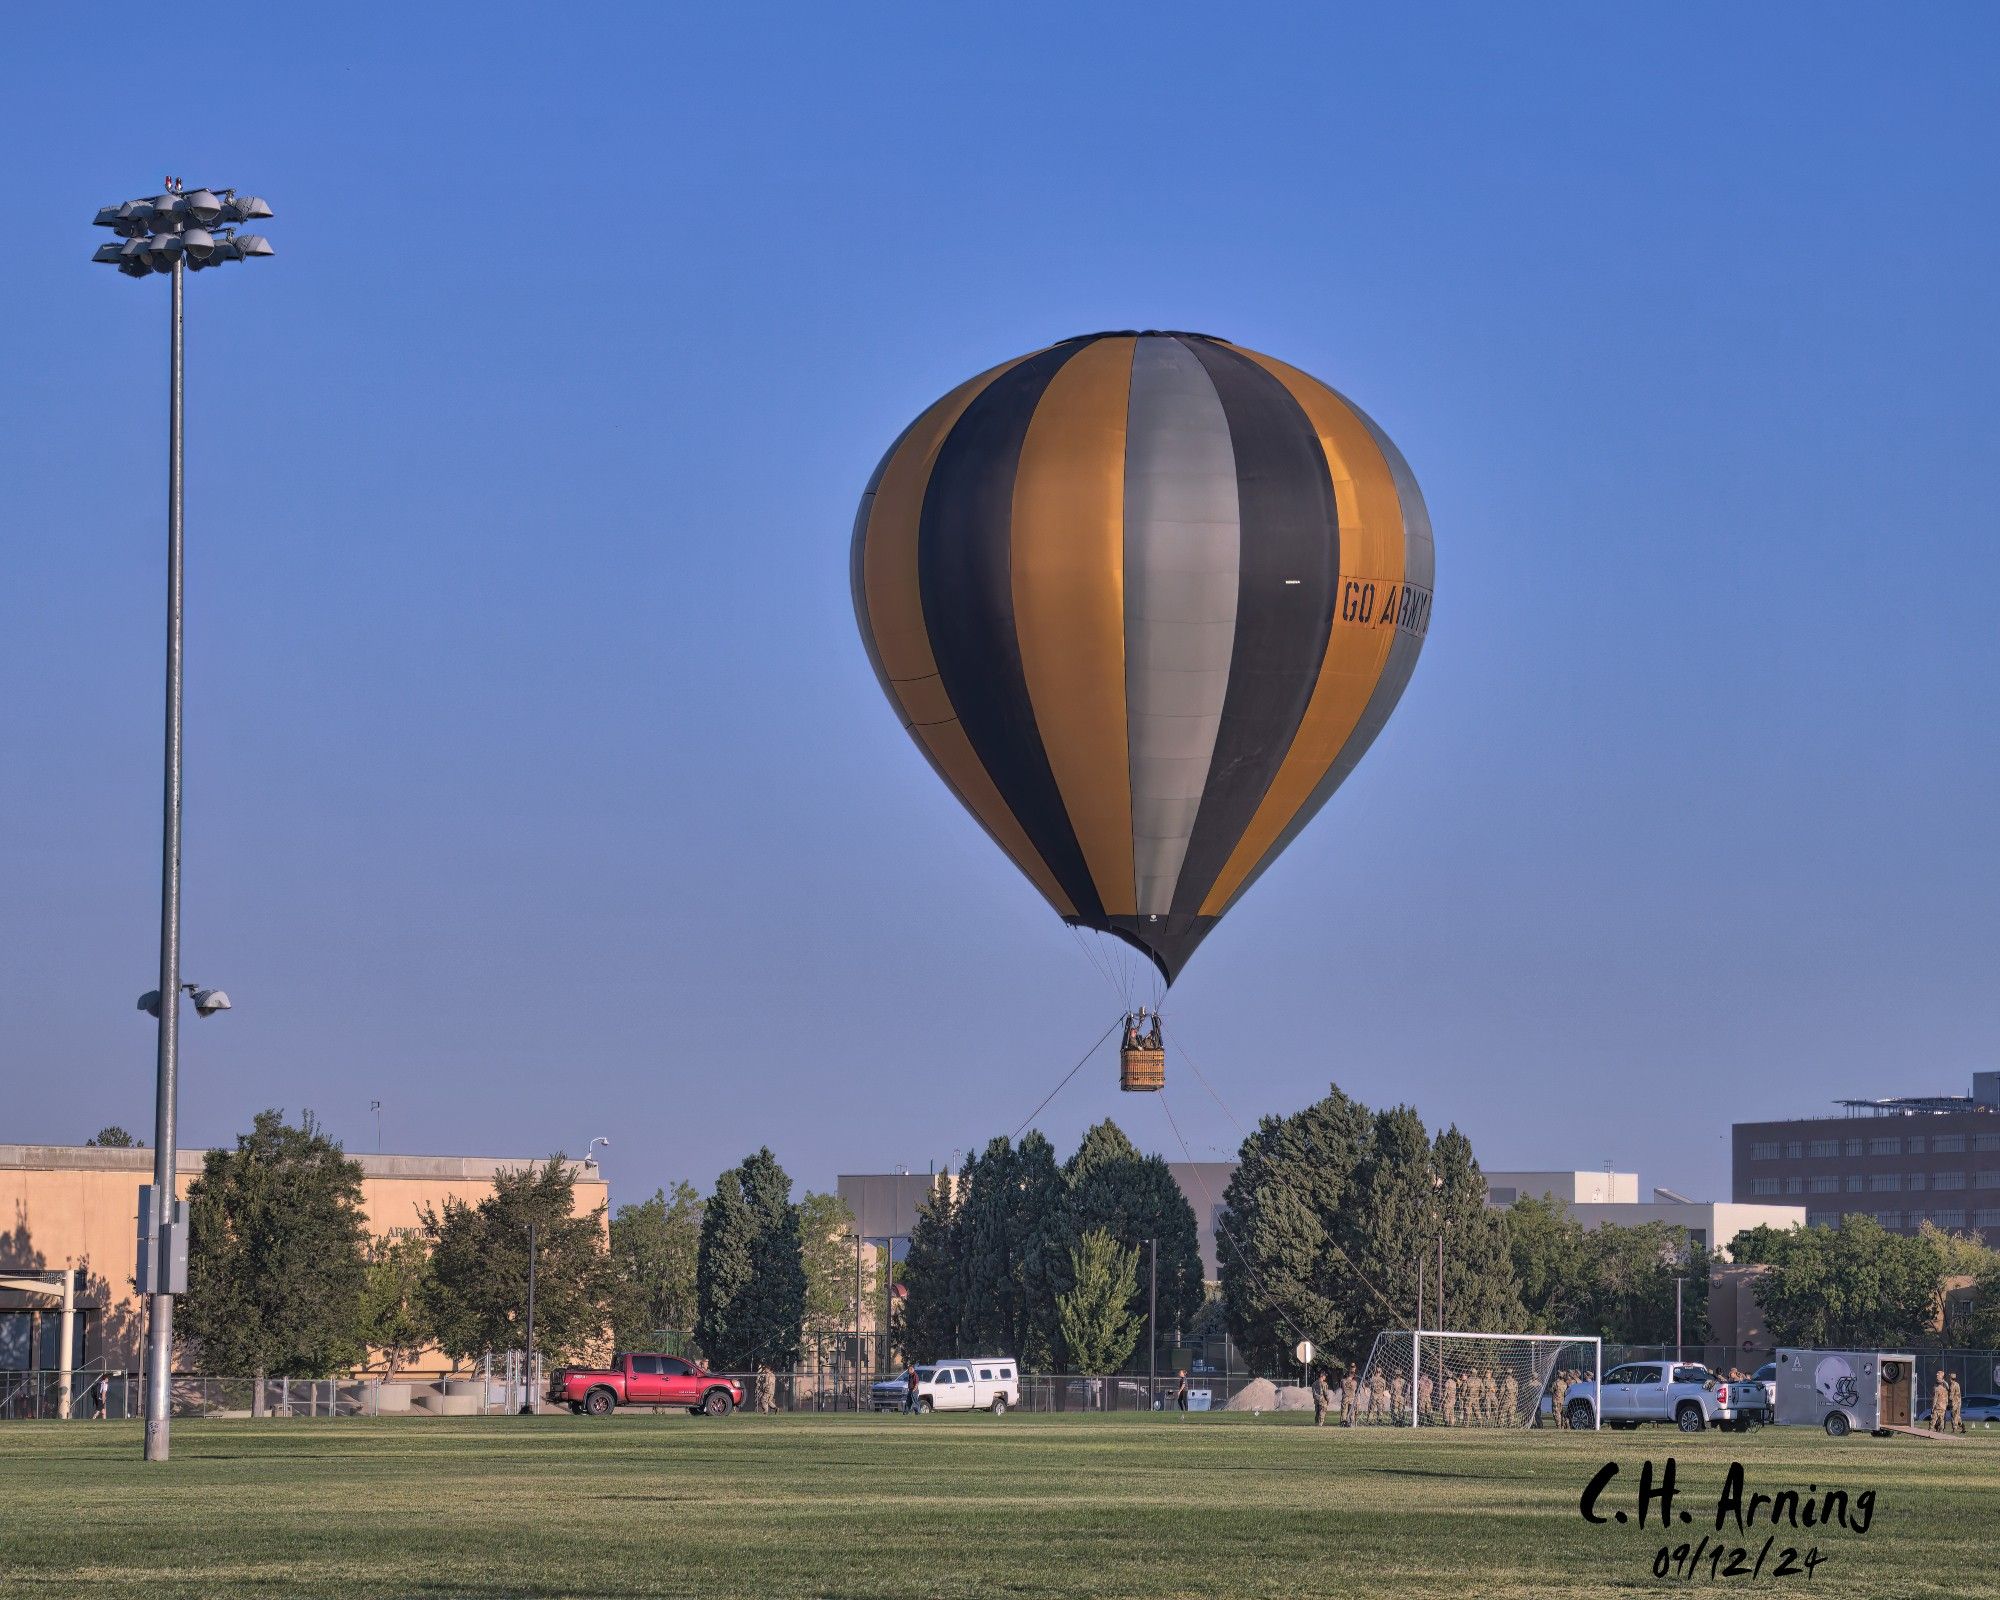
1152 1326
172 232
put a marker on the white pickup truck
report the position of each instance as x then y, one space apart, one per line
964 1383
1681 1392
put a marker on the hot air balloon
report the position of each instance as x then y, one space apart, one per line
1143 600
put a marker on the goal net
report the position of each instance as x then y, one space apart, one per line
1470 1380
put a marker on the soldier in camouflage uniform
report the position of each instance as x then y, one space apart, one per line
1955 1399
1940 1404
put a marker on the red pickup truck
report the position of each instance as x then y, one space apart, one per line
644 1380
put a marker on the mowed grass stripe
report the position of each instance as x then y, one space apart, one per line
893 1506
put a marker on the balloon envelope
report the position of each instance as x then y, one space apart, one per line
1143 600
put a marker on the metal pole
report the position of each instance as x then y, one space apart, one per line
1677 1317
160 1334
1153 1328
528 1354
1416 1343
857 1324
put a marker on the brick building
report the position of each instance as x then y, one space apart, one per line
1903 1161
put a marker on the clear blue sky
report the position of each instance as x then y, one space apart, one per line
538 786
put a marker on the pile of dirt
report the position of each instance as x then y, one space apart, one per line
1261 1394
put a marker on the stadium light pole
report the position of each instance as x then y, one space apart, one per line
172 232
1153 1326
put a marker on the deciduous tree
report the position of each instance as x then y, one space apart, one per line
276 1254
655 1252
479 1267
1099 1326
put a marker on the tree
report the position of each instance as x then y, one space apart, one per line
1856 1286
276 1243
479 1267
826 1252
1099 1326
750 1273
1134 1198
395 1308
1281 1268
1012 1239
1616 1282
655 1250
1545 1246
114 1138
930 1277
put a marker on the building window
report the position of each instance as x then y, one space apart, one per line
1949 1180
1884 1182
1824 1186
1914 1181
1948 1144
1948 1219
1498 1196
1793 1150
1825 1147
1853 1147
1986 1217
1914 1145
1986 1141
1763 1185
1988 1178
1822 1219
1795 1186
1853 1183
1885 1147
1889 1219
1764 1150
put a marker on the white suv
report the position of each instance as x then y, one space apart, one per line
969 1383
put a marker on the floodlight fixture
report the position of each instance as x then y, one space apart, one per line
181 228
208 1001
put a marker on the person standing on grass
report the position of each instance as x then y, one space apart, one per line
1322 1398
100 1397
1348 1389
1955 1405
1940 1404
910 1391
1181 1393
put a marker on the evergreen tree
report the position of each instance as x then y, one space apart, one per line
655 1248
1281 1271
276 1264
114 1138
990 1307
1099 1326
930 1277
1134 1198
751 1277
479 1267
1040 1239
395 1299
1479 1291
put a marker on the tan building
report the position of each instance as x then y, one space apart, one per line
77 1206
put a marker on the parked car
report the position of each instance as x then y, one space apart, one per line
969 1383
1681 1392
644 1380
1975 1408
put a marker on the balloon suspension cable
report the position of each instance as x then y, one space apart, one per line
1222 1227
1180 1043
1073 1071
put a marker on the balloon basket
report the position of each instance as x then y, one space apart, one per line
1142 1070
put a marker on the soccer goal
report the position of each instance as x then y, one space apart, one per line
1472 1380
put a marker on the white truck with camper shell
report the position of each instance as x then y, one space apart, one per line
962 1383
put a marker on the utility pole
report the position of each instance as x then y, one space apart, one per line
857 1323
528 1355
1677 1317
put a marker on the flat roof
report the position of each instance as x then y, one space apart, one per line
101 1158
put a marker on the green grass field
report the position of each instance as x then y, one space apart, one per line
973 1506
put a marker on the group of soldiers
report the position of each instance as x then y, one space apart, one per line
1559 1391
1947 1404
1464 1400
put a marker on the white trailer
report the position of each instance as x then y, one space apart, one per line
1841 1390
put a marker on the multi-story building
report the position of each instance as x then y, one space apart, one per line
1903 1161
1597 1198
